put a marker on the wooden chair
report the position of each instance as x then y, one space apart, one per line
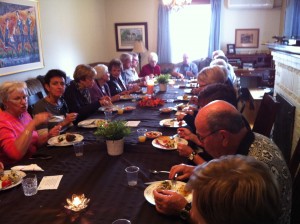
266 115
244 96
33 99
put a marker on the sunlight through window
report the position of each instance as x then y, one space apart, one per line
189 30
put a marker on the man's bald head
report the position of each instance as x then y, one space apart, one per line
219 115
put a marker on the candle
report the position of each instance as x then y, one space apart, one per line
150 86
77 202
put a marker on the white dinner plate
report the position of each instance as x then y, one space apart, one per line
112 108
188 91
91 123
172 123
21 175
177 140
126 97
187 98
148 192
54 140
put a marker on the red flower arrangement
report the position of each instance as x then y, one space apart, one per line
151 102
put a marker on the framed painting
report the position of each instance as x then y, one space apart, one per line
246 38
20 36
231 49
128 33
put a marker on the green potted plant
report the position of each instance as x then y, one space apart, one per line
163 80
114 133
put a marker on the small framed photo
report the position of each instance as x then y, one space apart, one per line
231 49
128 33
246 38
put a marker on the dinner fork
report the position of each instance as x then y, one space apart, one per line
158 171
174 180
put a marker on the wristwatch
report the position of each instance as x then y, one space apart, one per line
185 212
192 155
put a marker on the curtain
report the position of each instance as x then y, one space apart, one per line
292 19
214 37
163 43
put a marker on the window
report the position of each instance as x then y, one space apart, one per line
189 31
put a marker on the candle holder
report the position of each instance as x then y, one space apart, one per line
77 202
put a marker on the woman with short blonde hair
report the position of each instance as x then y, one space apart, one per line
18 136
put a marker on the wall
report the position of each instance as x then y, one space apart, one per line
266 20
72 33
120 11
76 31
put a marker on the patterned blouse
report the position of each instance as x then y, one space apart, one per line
264 150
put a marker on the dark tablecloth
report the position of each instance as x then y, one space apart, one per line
99 176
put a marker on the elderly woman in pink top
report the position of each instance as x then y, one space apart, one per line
18 137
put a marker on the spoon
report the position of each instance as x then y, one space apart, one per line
158 171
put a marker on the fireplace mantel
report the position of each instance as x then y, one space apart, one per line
287 79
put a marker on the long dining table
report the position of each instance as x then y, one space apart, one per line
100 177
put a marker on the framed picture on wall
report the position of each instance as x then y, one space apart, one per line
20 36
231 49
246 38
128 33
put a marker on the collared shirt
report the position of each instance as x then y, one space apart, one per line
190 67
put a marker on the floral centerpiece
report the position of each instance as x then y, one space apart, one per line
151 102
113 130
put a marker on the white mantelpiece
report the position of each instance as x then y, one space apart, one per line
287 80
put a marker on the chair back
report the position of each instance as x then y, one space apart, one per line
266 115
33 99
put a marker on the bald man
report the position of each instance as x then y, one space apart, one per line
221 131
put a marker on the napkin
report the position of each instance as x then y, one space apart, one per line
50 182
31 167
132 123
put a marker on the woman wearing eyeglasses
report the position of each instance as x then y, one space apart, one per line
18 138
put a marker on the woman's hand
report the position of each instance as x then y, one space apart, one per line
105 101
115 98
41 118
70 117
54 131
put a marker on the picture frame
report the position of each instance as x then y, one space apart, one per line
127 33
246 38
231 49
20 36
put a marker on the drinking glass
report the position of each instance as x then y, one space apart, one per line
29 184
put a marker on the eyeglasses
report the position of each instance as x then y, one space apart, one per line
202 138
19 99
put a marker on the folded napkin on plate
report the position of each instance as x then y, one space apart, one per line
31 167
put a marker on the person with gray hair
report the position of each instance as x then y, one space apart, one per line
100 87
235 190
186 69
18 136
221 131
152 68
129 77
209 75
